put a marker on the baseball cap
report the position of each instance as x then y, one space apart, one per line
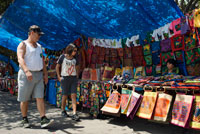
36 28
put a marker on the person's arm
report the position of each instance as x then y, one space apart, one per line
77 71
45 72
21 50
58 71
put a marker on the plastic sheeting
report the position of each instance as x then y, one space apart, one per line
64 20
12 63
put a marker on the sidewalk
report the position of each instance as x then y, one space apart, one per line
10 118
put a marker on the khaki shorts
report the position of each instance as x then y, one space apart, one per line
30 89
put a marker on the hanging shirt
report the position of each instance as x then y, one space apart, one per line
157 34
175 26
166 32
68 67
197 18
184 25
135 40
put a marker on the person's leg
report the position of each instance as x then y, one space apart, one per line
63 105
41 106
38 94
65 88
24 108
73 96
25 89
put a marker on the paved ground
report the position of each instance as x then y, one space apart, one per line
10 117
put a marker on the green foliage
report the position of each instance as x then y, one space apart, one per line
4 5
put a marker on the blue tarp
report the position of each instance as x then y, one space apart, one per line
12 63
64 20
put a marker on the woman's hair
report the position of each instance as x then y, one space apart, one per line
69 49
172 61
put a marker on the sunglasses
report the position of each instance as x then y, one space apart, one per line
74 50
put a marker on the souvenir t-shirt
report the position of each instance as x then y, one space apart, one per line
135 40
128 42
184 25
165 32
175 26
157 34
197 18
68 67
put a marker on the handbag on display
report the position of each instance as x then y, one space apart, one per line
162 107
165 45
86 75
134 104
127 72
149 70
177 42
195 122
125 99
147 106
108 73
139 72
112 106
181 110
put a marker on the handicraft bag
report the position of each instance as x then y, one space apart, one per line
127 72
147 49
166 56
86 74
165 45
139 71
112 105
137 56
182 109
125 99
149 71
127 61
147 106
134 104
195 122
108 73
162 107
177 42
148 59
190 41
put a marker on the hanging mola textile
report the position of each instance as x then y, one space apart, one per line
64 20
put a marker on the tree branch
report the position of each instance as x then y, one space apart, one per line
192 6
182 2
177 2
188 6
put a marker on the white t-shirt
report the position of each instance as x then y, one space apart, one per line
33 57
68 67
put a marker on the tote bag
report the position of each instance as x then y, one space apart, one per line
148 104
134 104
162 107
181 110
113 103
195 122
125 99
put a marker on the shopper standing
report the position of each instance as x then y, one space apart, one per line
32 75
68 78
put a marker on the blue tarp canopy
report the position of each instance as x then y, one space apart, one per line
63 21
12 63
